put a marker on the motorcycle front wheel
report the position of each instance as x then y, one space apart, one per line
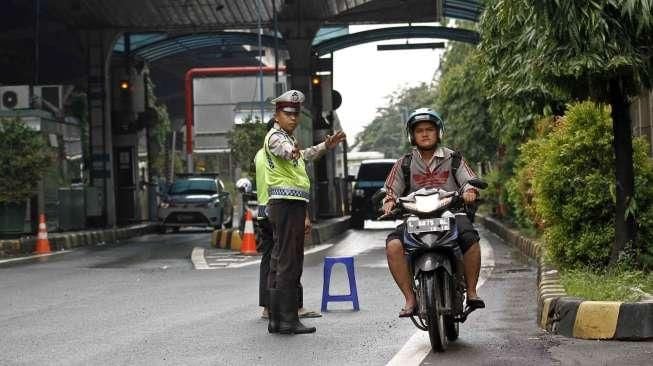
434 301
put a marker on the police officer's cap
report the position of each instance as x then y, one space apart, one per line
290 101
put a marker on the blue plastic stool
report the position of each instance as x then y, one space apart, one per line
353 293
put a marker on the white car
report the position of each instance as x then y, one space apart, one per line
195 200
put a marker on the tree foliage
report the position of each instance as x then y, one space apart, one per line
543 50
245 140
563 184
463 106
386 133
24 157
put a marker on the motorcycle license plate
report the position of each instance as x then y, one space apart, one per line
426 225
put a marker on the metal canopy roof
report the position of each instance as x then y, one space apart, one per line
170 46
198 15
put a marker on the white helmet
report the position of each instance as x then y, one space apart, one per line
244 185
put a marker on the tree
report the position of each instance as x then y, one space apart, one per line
386 132
463 106
245 140
598 49
23 159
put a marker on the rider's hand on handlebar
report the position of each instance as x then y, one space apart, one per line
469 196
388 206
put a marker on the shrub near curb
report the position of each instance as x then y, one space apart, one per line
564 182
575 317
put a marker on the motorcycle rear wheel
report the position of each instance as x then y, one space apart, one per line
434 301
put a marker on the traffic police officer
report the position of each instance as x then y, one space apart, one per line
265 241
288 196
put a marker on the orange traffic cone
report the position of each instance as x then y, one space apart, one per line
248 245
42 242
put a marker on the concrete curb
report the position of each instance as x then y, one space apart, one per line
573 317
73 239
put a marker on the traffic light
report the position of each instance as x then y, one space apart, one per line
316 93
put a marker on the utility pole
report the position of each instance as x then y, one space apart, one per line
260 57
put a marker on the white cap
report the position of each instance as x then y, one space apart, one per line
290 101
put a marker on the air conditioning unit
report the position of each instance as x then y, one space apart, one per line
52 94
14 97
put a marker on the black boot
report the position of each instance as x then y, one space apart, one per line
288 319
273 310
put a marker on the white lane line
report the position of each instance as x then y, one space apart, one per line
34 256
197 257
418 346
314 249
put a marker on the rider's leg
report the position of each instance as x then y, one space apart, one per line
472 261
468 240
399 269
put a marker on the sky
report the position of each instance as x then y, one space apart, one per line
365 77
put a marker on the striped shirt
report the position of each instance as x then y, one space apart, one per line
432 174
282 145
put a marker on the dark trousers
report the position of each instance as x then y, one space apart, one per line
264 246
287 258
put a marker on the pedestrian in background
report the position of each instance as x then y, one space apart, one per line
289 194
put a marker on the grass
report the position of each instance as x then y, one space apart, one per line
615 284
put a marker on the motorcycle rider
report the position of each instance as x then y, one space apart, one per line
431 167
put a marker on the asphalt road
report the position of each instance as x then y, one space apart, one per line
142 302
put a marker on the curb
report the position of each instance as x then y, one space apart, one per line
70 240
574 317
226 239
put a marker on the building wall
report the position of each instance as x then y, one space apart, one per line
641 112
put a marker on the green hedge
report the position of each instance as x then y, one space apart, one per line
564 184
24 157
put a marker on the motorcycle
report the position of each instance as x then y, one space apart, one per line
435 260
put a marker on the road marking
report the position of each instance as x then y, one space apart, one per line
34 256
197 257
234 260
314 249
418 346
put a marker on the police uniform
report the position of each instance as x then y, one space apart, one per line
265 233
288 196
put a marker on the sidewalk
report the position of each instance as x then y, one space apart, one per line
573 317
72 239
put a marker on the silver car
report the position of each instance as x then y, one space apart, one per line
195 200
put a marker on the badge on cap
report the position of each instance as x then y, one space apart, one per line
290 101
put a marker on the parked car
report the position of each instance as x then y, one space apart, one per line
195 200
371 177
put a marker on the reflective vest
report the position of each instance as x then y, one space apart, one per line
261 184
286 179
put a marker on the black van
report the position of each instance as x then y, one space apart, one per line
371 177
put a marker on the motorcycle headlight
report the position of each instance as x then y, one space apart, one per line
359 192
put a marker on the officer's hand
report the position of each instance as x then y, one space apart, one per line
295 153
388 206
307 225
469 196
332 141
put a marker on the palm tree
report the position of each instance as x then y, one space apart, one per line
598 49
